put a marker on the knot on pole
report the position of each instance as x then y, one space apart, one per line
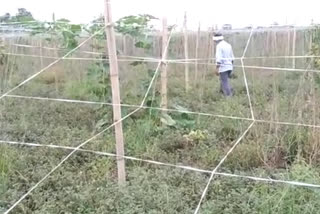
110 24
164 62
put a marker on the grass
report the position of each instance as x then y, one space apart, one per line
87 183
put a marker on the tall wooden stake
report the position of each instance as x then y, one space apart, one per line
114 76
186 51
124 44
197 55
164 79
288 49
41 53
294 47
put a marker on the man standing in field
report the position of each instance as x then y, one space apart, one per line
224 62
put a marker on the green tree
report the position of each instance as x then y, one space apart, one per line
23 15
5 18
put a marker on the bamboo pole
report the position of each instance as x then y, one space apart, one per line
288 48
114 76
41 53
203 74
164 79
56 53
12 64
197 55
294 47
186 52
124 40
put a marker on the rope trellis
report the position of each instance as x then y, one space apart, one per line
124 58
90 139
137 108
188 168
240 138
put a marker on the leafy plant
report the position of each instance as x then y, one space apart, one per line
197 136
138 27
315 49
66 32
178 120
95 26
98 73
135 26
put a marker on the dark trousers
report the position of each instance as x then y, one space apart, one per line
225 84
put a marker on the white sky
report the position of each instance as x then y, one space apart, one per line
208 12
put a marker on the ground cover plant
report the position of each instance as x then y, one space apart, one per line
87 182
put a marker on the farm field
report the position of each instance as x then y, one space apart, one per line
40 124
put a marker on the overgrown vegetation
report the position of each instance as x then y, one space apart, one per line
87 183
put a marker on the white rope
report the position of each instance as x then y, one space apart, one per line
145 59
281 57
189 168
87 52
67 100
247 45
163 59
121 59
65 159
163 109
170 60
50 65
280 69
294 183
241 137
247 89
38 47
81 58
51 48
261 67
126 105
184 61
84 143
245 75
288 123
218 166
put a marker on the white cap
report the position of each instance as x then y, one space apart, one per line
217 38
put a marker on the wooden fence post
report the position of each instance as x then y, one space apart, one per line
186 52
114 76
164 79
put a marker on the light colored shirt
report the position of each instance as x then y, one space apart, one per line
224 56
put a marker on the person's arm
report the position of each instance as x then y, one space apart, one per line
218 59
218 64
